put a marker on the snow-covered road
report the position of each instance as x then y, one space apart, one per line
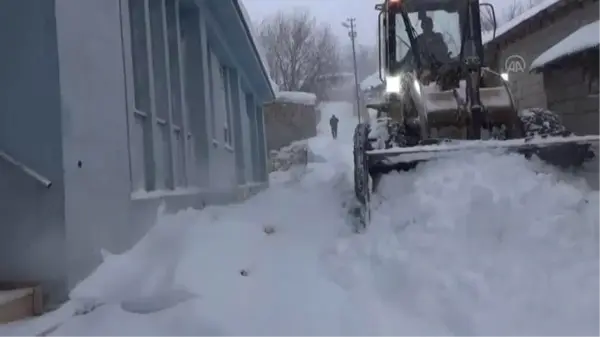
474 245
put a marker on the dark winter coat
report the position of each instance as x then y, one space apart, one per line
333 121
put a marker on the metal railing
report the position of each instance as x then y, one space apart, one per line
28 171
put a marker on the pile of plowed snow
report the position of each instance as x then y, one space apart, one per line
482 244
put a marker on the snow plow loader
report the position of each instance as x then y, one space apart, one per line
441 99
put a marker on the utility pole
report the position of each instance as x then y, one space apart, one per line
350 24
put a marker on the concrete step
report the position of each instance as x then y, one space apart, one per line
19 301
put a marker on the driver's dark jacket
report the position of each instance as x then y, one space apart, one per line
433 45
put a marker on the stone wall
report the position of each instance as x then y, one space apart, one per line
287 122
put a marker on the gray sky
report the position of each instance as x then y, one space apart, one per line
336 11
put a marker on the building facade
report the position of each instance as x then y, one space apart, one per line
110 108
570 73
523 39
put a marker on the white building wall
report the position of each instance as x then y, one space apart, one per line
222 158
123 157
113 155
96 156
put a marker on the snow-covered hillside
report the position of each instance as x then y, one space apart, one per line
474 245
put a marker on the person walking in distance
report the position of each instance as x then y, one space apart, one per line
333 122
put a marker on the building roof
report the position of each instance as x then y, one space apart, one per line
520 19
337 75
260 52
297 97
585 38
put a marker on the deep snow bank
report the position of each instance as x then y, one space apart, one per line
483 245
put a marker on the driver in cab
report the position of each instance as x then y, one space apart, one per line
432 44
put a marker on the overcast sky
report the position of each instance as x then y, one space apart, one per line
336 11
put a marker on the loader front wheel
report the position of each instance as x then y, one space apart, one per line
539 122
361 172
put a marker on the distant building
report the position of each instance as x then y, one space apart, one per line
567 82
108 108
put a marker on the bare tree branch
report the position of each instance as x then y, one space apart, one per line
299 50
367 60
514 9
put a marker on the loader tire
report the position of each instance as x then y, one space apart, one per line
361 175
539 122
361 162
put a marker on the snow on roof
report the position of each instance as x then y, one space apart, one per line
371 82
526 15
261 51
297 97
336 75
582 39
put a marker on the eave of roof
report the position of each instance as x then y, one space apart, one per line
505 30
585 38
244 18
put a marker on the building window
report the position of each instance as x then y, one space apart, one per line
253 129
593 86
262 155
226 86
236 120
211 92
176 91
194 103
161 81
252 136
141 137
158 142
589 62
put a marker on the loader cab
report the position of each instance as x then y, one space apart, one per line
420 35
